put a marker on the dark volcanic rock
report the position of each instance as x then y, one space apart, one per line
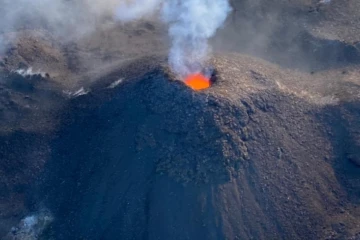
246 159
27 106
354 159
266 153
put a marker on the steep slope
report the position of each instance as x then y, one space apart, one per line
256 156
265 153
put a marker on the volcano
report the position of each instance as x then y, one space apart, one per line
98 139
251 157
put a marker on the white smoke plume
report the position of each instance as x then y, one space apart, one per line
31 227
132 10
65 18
191 24
29 72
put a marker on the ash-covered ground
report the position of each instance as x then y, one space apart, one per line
98 140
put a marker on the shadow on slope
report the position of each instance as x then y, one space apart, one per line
151 159
27 108
343 124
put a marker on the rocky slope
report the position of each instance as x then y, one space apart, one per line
109 143
253 157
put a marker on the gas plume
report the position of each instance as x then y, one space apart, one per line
63 18
191 24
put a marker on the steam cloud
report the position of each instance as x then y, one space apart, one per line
64 18
191 24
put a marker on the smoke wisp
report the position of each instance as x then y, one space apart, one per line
67 19
191 24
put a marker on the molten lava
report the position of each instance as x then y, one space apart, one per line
197 81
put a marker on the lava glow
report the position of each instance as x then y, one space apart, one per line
197 81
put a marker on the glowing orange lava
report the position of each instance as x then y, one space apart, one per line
197 81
